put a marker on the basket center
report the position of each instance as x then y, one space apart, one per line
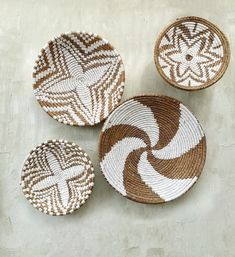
81 79
188 57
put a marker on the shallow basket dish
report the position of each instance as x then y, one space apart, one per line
152 149
191 53
79 78
57 177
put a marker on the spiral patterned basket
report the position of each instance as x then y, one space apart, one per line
191 53
79 78
57 177
152 149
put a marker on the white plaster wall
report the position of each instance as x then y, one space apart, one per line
201 223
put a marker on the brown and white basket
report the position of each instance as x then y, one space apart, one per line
79 78
191 53
152 149
57 177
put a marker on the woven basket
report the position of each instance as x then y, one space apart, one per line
152 149
78 78
191 53
57 177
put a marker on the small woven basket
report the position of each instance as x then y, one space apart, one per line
78 78
191 53
57 177
152 149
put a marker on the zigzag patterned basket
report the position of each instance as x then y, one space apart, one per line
152 149
57 177
191 53
79 78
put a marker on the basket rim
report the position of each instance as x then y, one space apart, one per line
77 32
100 139
219 33
28 155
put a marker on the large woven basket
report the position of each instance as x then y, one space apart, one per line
152 149
57 177
191 53
78 78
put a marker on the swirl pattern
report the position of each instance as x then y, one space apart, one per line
57 177
152 149
79 78
192 53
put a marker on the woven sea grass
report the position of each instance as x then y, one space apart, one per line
191 53
152 149
79 78
57 177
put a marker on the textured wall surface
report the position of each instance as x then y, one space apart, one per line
200 223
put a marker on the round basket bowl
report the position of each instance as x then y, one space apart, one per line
57 177
152 149
78 78
191 53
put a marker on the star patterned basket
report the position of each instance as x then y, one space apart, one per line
57 177
78 78
152 149
191 53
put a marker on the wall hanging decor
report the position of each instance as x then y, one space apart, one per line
191 53
57 177
79 78
152 149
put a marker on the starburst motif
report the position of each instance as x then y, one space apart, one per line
59 178
191 54
189 59
79 78
80 81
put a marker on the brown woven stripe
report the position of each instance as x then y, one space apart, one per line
136 189
111 137
185 166
168 124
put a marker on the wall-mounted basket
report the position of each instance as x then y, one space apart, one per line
78 78
191 53
152 149
57 177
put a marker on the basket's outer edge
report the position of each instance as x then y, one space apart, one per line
66 33
220 34
20 176
99 151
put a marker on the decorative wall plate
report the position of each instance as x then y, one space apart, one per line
152 149
57 177
79 78
191 53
